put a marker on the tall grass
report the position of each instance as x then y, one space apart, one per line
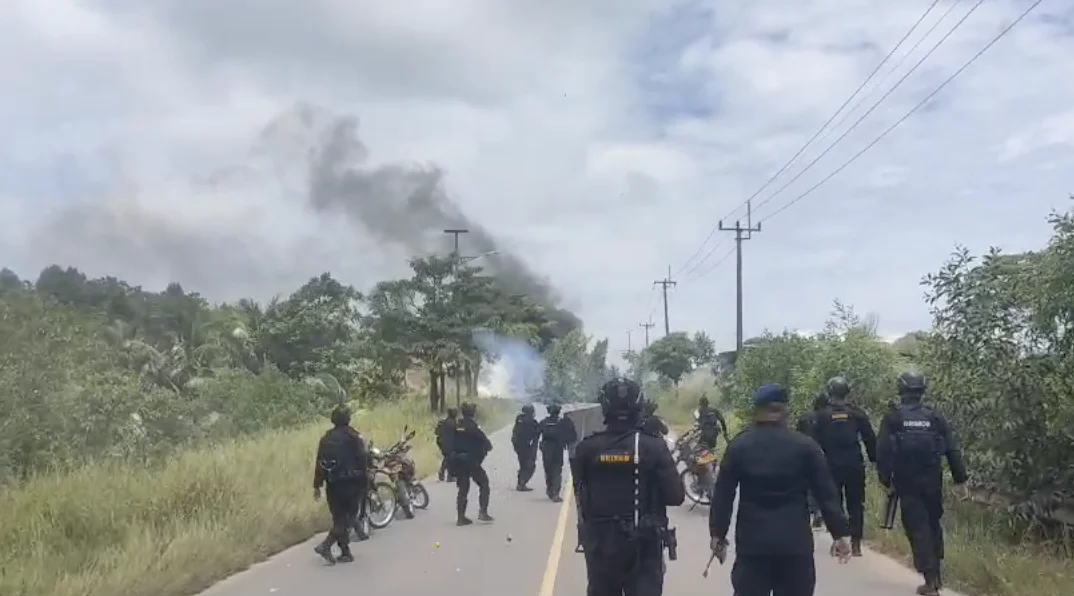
173 529
983 556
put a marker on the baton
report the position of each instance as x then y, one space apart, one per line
712 558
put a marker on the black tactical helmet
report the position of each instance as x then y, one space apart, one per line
820 401
527 409
468 409
452 412
554 409
704 401
341 416
619 398
838 388
911 382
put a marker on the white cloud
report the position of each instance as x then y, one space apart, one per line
600 139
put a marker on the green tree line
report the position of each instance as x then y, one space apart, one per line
99 368
999 360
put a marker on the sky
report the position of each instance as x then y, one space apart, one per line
242 147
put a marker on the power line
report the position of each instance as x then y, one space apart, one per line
812 138
913 109
898 83
711 268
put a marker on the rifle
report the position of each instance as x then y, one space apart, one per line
891 507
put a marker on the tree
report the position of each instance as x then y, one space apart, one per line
673 356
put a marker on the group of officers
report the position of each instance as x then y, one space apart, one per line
625 479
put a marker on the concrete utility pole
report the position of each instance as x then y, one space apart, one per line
667 281
629 345
458 365
647 327
741 233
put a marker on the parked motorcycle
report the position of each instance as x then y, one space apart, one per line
700 467
381 499
397 465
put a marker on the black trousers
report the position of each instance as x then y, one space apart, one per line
774 575
616 566
850 484
527 463
346 500
466 471
922 511
708 438
553 471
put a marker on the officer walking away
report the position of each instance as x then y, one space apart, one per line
773 467
711 423
524 437
342 462
626 479
469 447
651 423
444 430
557 434
841 429
807 425
914 439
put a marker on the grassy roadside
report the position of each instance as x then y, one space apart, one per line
981 559
175 529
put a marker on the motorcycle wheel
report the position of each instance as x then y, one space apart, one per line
419 496
402 499
380 505
691 485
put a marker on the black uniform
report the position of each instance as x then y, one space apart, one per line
712 424
524 437
807 425
625 479
342 462
773 467
444 430
914 440
469 447
841 429
557 434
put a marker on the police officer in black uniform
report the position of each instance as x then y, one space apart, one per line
914 440
711 423
557 434
342 462
469 447
652 423
841 428
773 467
524 437
444 430
625 479
807 425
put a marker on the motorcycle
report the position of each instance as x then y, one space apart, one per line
397 465
701 466
381 500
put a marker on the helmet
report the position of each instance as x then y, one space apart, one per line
341 416
620 397
527 409
704 401
820 401
911 382
554 409
838 388
452 412
468 409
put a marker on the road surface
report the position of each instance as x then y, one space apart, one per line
529 549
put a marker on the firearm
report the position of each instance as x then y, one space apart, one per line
671 542
891 507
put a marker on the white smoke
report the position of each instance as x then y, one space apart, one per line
516 370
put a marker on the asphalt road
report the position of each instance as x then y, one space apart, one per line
528 549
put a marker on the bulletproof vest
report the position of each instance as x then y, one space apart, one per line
707 418
838 429
551 434
612 474
337 455
918 442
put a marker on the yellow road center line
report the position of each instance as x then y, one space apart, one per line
551 569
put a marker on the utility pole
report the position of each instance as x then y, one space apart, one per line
629 346
741 233
647 327
667 281
458 365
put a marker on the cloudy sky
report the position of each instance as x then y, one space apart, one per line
600 140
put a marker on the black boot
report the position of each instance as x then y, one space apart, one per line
345 556
855 547
463 520
325 549
484 516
